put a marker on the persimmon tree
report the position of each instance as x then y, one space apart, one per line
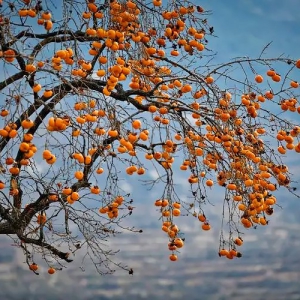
94 91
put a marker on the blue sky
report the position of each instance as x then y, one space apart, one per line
244 27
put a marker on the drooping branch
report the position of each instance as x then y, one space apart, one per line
11 79
6 227
62 255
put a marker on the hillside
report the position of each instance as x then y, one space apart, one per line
269 268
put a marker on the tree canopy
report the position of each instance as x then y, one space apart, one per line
97 91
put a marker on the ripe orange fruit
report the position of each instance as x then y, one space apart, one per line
209 80
33 267
136 124
259 79
51 271
209 182
173 257
79 175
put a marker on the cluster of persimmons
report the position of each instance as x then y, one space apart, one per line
179 118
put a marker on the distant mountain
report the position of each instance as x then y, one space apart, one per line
268 270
